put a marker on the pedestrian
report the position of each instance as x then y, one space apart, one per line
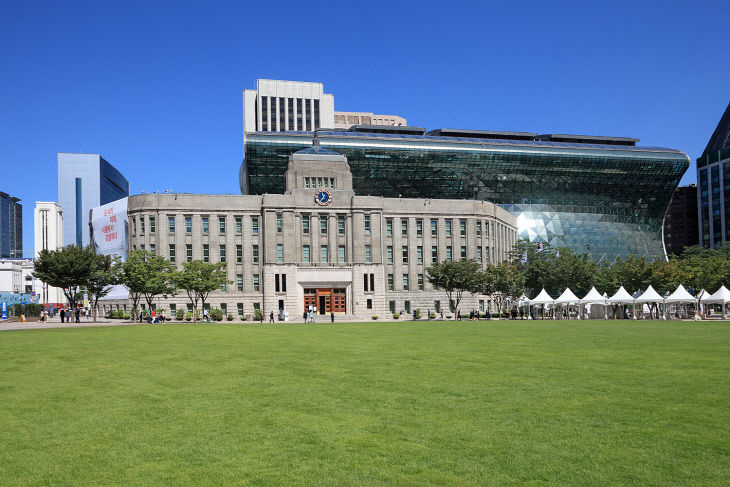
78 315
332 316
458 314
429 314
153 314
63 315
305 315
414 314
471 315
442 314
311 316
271 317
206 315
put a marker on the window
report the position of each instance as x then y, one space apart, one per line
419 227
404 226
323 225
434 254
448 228
463 251
405 282
437 306
239 282
279 252
407 306
372 282
205 224
462 228
341 253
305 253
448 252
171 224
323 253
224 309
404 253
256 283
141 224
367 224
255 254
368 253
390 282
239 254
188 224
277 287
486 229
153 249
479 255
389 254
391 306
222 252
153 225
389 226
481 306
279 223
240 308
239 225
305 224
479 229
254 226
134 226
419 254
434 228
366 283
224 286
369 304
206 253
189 252
172 252
141 247
221 225
173 309
420 282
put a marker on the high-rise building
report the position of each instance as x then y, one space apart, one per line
604 196
11 227
48 220
713 176
84 182
680 224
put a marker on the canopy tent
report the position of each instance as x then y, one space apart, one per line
593 297
567 297
621 297
649 296
721 296
523 301
680 295
542 298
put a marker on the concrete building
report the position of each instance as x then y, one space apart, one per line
345 120
713 177
11 276
680 224
319 243
11 227
84 182
48 225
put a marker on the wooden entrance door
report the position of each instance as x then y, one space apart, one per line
326 300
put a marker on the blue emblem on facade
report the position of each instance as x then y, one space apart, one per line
323 197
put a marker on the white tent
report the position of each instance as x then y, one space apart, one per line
594 297
567 298
680 295
542 298
721 296
621 297
649 296
523 301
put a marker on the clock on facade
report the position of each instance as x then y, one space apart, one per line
323 197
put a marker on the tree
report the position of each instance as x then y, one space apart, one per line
199 279
501 282
69 268
106 272
455 277
147 275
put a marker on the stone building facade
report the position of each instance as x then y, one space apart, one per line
320 244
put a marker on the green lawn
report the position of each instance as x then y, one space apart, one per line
498 403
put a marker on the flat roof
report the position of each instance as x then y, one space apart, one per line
388 129
589 139
483 134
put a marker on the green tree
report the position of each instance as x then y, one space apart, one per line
455 277
69 268
147 275
199 279
106 272
501 282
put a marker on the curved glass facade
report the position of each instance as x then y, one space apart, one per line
604 200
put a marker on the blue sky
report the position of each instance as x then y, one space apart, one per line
155 87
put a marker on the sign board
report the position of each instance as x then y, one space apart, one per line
109 227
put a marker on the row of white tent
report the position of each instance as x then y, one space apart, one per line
650 296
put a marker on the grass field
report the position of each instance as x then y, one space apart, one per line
498 403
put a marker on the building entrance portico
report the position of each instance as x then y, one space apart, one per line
326 300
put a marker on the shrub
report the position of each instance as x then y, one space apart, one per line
215 314
396 316
180 314
244 317
230 317
418 313
188 316
375 317
432 315
257 316
28 309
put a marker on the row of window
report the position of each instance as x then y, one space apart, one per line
434 254
406 282
306 110
434 227
222 252
205 224
319 182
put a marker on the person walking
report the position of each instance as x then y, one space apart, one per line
271 317
311 316
63 315
332 316
206 316
305 315
78 315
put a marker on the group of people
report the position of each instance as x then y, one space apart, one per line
151 316
68 315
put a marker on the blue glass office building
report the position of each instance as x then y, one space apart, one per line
713 186
84 182
600 195
11 227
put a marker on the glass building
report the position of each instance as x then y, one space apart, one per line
713 180
11 227
85 181
599 195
